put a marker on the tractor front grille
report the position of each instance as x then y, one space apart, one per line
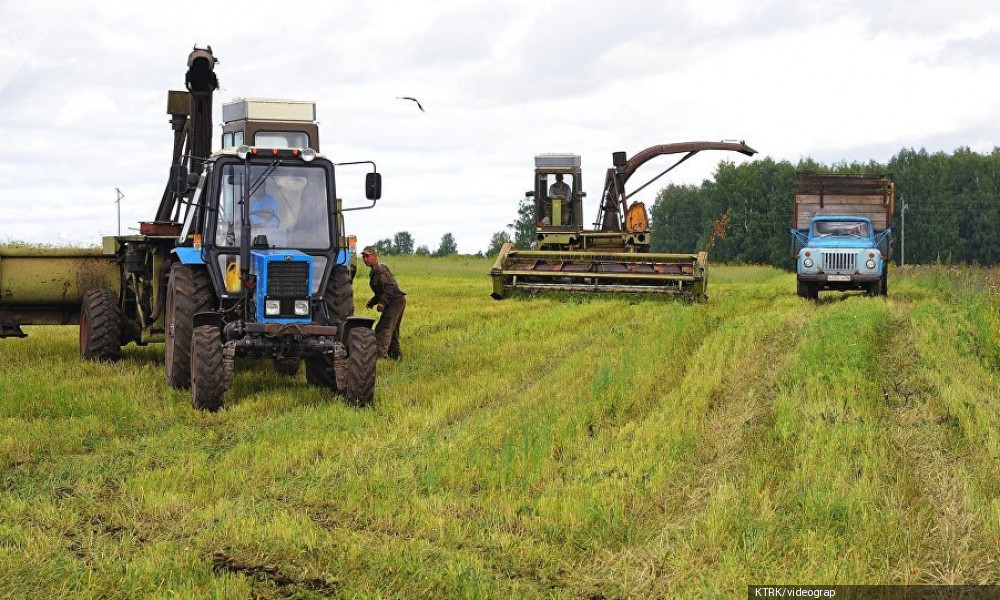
840 261
288 279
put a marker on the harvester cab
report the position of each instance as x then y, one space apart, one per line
614 256
558 200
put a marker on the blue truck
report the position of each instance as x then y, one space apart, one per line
841 233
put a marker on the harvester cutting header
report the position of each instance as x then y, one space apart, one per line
613 257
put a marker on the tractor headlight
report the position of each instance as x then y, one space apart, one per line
808 263
870 264
272 307
301 307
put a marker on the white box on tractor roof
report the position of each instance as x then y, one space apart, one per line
260 109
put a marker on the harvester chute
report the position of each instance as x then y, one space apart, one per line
614 257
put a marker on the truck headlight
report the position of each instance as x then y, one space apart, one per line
870 264
301 307
808 263
272 307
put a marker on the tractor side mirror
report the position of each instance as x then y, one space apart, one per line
373 186
178 182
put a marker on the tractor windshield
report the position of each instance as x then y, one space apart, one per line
289 206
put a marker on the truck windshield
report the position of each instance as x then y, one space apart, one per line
289 206
850 228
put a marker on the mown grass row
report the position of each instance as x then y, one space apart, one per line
538 447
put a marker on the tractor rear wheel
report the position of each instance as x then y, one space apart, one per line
100 326
189 292
362 354
339 300
209 381
289 367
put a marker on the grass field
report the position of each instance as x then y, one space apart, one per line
537 447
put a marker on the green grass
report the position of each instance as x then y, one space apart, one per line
556 447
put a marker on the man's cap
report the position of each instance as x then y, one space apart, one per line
370 250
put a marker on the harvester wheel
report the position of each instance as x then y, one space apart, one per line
362 354
339 299
189 292
288 367
100 326
209 382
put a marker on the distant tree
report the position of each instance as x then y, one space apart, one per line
524 226
423 251
384 246
496 243
448 246
402 243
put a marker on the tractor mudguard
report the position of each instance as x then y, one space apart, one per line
188 256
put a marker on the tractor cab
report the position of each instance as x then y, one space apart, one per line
558 199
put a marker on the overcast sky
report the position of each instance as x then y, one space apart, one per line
83 95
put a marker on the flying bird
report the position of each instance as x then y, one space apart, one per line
414 99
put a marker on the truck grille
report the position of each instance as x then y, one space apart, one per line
288 279
840 261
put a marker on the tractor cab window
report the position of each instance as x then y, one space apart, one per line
556 202
848 228
289 207
281 139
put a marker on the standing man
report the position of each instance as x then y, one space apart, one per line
389 300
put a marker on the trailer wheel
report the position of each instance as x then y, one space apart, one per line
289 367
189 292
362 354
100 326
339 300
209 380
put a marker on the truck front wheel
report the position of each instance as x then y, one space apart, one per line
362 354
100 326
807 290
189 292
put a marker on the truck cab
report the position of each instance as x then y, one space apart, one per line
841 252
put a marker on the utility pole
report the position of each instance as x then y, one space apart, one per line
902 245
118 201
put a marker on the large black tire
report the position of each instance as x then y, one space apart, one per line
100 326
339 300
807 290
189 292
289 367
885 280
209 381
362 354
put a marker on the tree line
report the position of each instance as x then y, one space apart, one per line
742 215
403 243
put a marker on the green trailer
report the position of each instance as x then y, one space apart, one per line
46 286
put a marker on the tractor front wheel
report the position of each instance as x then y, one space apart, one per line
362 354
339 300
209 380
189 292
100 326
